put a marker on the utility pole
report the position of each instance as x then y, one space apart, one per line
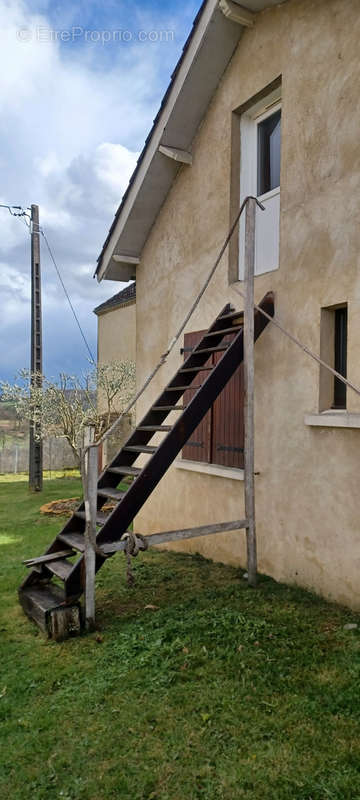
250 223
35 449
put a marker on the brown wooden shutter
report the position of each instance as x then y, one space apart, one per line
198 448
227 447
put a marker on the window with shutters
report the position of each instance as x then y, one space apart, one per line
219 439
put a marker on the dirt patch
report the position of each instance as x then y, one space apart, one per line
65 508
61 508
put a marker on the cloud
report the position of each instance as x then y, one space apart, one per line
74 117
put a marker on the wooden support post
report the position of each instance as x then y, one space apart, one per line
90 480
249 389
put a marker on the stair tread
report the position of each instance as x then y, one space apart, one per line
140 448
108 491
124 470
168 408
46 597
220 348
231 315
100 518
45 559
154 428
60 568
74 539
224 331
180 388
197 369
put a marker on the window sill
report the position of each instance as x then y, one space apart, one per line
333 419
210 469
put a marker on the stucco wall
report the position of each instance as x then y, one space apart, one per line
116 342
307 491
117 334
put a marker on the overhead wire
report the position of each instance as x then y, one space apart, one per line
19 211
67 295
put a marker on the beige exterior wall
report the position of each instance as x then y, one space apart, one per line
116 342
117 334
307 495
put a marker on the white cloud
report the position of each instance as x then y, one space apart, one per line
72 127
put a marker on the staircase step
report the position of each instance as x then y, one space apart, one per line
60 568
75 540
180 388
100 518
124 470
231 315
168 408
197 369
218 349
162 428
140 448
38 601
32 562
114 494
224 331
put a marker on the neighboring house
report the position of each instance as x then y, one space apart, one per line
264 101
116 342
117 327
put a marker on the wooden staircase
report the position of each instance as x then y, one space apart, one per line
63 562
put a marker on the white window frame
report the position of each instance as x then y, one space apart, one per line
249 122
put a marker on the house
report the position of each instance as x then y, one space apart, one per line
116 327
264 101
116 338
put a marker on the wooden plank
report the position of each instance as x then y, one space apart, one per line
167 408
176 154
224 331
74 539
38 601
140 449
154 428
91 487
249 466
64 622
113 494
61 569
100 518
124 470
180 535
30 562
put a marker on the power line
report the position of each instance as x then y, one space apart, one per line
67 295
18 211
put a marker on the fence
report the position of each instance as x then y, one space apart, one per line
57 455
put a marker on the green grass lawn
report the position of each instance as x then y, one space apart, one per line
222 692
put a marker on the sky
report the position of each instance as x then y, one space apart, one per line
81 83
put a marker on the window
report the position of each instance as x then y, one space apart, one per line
340 356
219 439
260 161
269 141
333 350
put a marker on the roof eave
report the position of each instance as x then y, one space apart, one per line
206 55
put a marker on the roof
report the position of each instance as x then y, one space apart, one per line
122 298
207 52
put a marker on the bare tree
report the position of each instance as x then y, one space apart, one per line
64 408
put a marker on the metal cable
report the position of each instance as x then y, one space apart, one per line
299 344
67 296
